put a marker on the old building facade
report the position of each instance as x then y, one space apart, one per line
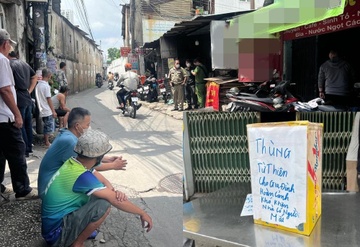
45 38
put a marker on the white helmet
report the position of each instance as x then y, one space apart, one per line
93 144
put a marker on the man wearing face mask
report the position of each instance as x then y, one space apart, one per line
335 80
77 200
190 94
177 76
63 148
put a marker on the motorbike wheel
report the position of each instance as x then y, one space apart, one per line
132 112
99 85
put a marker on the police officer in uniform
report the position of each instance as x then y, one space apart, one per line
177 76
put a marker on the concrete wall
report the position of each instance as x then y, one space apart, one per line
81 55
117 65
227 6
14 23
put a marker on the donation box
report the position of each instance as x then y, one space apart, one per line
286 167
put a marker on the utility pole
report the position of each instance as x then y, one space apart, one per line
132 24
40 35
40 30
252 4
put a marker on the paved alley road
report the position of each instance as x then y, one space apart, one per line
152 145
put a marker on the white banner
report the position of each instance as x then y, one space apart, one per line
278 157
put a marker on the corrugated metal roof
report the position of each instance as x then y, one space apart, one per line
199 24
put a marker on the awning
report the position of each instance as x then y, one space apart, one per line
285 14
197 26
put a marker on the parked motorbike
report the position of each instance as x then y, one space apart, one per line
317 105
140 90
99 81
131 103
152 95
279 99
165 95
145 91
148 91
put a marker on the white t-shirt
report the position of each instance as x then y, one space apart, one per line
6 79
352 152
42 92
130 80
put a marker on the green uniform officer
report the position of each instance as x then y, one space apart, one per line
200 73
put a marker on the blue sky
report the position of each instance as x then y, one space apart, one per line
104 19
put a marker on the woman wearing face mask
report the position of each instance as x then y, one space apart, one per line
177 77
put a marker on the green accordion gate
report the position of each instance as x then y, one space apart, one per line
216 152
337 135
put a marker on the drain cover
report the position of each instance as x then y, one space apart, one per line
172 183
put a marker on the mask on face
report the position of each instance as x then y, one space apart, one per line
98 160
83 131
177 66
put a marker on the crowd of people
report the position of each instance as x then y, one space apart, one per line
76 197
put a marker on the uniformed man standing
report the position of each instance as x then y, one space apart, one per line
200 73
177 76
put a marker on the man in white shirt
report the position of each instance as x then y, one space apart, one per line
12 146
45 105
129 80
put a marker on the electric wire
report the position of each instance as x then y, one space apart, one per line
86 18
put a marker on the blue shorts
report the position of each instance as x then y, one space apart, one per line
49 125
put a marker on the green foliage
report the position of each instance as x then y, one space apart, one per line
54 84
113 53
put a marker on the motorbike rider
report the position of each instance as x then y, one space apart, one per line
128 82
110 77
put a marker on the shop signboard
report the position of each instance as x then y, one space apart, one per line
154 29
349 19
286 169
133 59
124 51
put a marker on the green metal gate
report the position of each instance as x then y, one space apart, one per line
217 146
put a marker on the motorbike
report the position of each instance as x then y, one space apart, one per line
131 103
110 85
148 91
317 105
140 90
279 98
165 95
152 95
99 81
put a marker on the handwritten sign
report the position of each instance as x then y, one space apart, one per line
278 174
248 206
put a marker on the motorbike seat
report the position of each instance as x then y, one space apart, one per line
264 100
